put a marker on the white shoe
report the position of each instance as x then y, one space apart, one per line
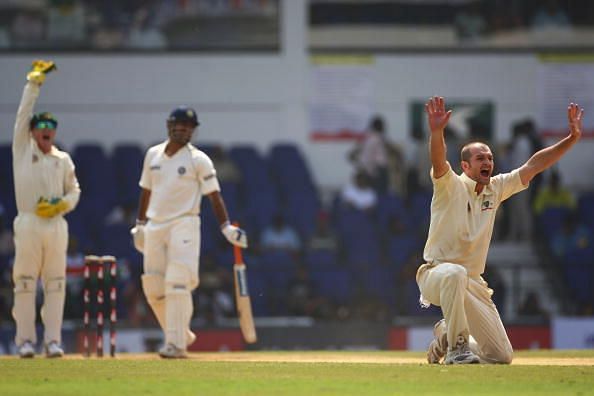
170 351
26 350
461 353
53 350
190 337
439 346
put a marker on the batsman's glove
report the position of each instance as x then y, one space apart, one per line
39 68
235 235
51 208
138 236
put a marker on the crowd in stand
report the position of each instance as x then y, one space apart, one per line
122 25
195 24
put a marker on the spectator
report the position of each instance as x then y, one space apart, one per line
553 196
550 15
419 164
27 29
143 33
226 169
358 193
280 236
66 22
520 214
302 299
573 237
379 158
122 214
323 236
470 24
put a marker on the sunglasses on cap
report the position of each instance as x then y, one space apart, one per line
45 125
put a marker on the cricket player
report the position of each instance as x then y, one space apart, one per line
45 189
174 178
462 217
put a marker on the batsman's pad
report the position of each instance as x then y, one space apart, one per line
178 314
154 291
39 68
138 237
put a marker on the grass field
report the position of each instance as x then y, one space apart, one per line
298 373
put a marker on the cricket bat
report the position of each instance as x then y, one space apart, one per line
242 298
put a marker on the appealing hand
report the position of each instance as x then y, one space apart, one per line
436 115
574 116
235 235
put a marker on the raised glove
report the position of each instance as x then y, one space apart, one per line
138 237
39 68
48 209
235 235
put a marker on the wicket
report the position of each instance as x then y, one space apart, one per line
99 264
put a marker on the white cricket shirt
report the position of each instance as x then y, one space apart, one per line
462 221
38 175
177 183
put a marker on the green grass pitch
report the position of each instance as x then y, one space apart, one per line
298 373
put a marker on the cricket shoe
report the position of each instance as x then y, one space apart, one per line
26 350
53 350
461 353
170 351
439 345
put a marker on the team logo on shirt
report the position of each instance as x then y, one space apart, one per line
181 170
487 205
35 158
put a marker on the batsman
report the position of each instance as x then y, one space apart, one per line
45 189
462 217
175 176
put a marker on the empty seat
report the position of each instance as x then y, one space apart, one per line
127 162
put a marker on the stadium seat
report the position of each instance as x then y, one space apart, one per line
127 162
335 284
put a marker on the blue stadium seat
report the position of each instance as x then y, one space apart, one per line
321 259
336 284
380 282
289 169
399 249
253 168
127 162
550 221
95 175
586 209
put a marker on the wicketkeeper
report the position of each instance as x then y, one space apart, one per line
45 189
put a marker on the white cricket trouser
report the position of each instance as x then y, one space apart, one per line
40 251
467 309
172 253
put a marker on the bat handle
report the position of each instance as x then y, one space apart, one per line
237 249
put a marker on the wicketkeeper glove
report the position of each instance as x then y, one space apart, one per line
39 68
51 208
235 235
138 236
